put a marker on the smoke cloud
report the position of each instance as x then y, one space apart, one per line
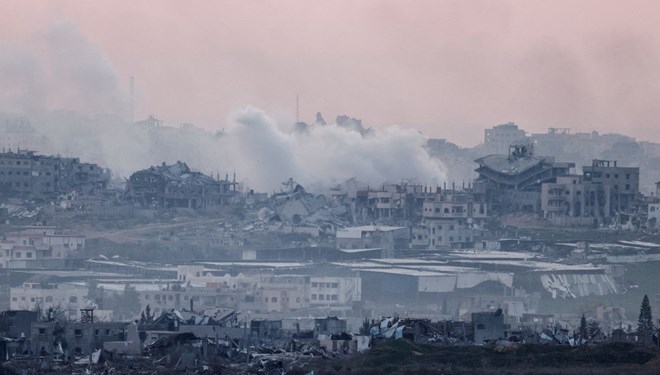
69 91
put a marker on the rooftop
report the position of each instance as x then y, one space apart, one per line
507 165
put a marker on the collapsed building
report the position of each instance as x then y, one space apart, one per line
26 174
176 185
512 182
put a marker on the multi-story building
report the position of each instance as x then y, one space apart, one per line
498 139
74 338
403 201
40 295
335 290
38 247
600 193
622 182
29 175
176 185
449 220
510 183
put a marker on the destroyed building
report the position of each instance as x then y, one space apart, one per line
176 185
488 326
74 338
512 182
25 174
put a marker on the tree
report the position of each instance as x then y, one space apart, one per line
645 321
594 330
583 329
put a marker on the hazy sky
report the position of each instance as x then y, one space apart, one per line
447 68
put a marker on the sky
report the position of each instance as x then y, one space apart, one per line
446 68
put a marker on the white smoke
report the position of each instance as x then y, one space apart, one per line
63 81
262 152
326 155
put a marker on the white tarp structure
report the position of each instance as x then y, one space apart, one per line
578 285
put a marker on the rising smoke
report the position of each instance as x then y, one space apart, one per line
65 82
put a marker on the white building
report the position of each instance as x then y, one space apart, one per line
335 290
38 247
69 298
498 139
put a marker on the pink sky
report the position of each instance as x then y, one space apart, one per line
447 68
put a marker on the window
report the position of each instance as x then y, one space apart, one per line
273 299
96 332
313 297
627 186
49 298
335 285
78 351
315 285
73 299
42 331
322 297
297 299
77 332
28 254
627 176
334 297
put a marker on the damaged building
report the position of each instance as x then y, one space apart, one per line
512 183
176 185
26 174
603 190
450 221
